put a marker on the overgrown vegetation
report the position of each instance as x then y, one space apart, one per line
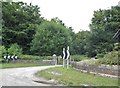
71 77
25 32
15 49
111 58
79 57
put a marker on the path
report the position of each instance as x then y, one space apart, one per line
21 76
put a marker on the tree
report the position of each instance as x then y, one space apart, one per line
19 24
80 42
50 38
104 25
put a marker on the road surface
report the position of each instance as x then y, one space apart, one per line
21 76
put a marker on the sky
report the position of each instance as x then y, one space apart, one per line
74 13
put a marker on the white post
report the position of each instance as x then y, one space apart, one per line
63 57
68 56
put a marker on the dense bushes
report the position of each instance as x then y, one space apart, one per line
2 60
110 58
78 57
15 49
2 50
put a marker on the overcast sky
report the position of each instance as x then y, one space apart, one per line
74 13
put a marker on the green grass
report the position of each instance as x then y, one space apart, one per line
20 65
71 77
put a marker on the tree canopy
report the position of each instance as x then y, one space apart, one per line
105 24
23 25
19 23
50 38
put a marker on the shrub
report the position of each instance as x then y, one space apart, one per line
100 55
2 60
91 53
2 51
15 49
111 58
78 57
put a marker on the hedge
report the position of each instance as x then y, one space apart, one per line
79 57
31 57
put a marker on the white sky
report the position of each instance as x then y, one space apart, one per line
74 13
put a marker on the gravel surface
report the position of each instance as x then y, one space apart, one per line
21 76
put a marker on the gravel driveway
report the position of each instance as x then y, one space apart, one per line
21 76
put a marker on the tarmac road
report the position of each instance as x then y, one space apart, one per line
21 76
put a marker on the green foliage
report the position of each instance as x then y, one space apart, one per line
2 50
19 24
80 42
117 46
15 49
100 55
2 60
111 58
78 57
31 57
23 24
91 53
105 24
50 38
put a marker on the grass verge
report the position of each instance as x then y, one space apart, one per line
71 77
20 65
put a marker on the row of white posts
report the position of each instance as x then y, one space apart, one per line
66 58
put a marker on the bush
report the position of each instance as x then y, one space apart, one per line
111 58
31 57
100 55
2 51
78 57
91 53
15 49
2 60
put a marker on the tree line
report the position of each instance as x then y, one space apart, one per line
22 24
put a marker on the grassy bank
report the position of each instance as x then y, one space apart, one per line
72 77
20 65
